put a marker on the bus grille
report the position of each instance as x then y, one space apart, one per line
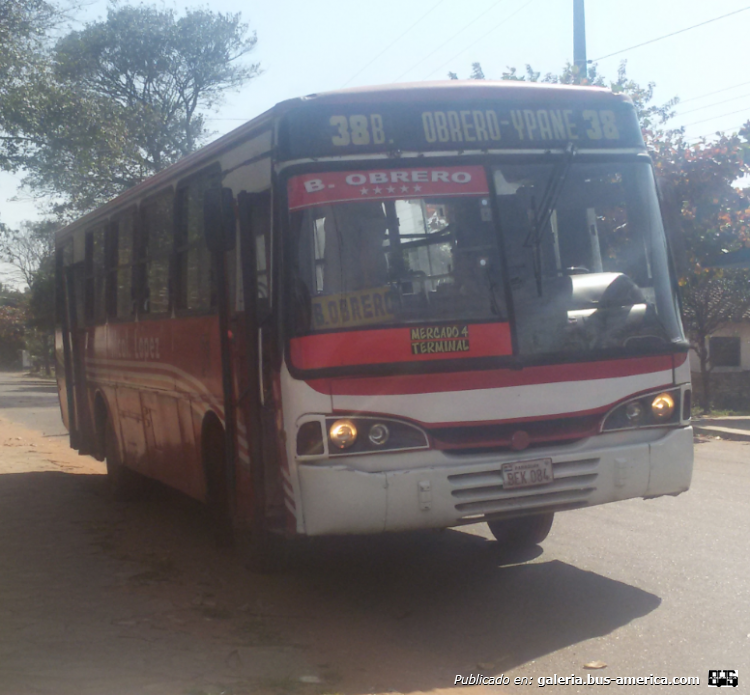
481 493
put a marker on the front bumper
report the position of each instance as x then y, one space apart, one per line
449 491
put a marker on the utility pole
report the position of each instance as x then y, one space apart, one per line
579 38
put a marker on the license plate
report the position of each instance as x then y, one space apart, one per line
527 473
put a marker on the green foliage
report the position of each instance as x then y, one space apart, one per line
23 24
476 72
12 330
122 99
27 247
706 216
31 250
41 303
697 182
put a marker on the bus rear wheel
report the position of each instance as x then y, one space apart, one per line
124 483
522 532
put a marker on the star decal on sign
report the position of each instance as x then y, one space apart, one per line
404 189
363 191
377 189
390 189
417 188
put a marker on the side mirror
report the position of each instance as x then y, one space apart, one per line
218 219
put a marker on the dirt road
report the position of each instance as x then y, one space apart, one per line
101 598
96 598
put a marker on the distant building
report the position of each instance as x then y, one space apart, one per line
729 352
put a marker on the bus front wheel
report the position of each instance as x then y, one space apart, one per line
522 532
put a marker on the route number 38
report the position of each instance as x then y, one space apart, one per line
358 130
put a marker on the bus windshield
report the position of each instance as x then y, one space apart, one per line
409 247
591 273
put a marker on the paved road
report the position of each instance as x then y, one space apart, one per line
31 402
656 587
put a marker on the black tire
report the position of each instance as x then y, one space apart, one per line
522 532
124 483
218 510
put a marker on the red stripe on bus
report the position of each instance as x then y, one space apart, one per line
391 345
404 384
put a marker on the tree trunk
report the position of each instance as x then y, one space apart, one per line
705 380
47 360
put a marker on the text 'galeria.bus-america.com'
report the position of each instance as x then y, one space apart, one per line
388 308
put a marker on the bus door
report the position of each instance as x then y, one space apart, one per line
63 349
73 337
268 511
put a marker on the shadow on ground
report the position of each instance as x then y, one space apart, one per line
432 605
399 612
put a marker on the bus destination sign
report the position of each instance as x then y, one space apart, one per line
364 128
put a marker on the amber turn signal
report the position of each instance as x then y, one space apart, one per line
662 407
343 434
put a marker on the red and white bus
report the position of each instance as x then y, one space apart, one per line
388 308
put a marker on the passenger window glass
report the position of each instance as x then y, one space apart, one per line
122 236
397 261
94 276
196 286
157 247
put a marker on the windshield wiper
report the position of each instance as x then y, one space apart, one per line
543 213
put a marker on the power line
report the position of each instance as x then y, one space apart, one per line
523 7
715 103
718 91
396 40
674 33
722 131
473 21
721 115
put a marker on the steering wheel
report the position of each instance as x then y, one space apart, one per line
621 292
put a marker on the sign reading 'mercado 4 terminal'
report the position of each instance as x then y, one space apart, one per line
308 190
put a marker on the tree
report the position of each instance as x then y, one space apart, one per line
27 247
41 313
706 216
23 61
30 250
12 325
125 98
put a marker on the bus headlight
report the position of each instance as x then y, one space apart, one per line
634 412
343 434
379 434
662 407
650 410
363 434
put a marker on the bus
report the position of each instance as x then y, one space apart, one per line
387 308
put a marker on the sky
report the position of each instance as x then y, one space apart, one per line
306 46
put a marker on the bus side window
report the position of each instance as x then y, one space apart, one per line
110 270
94 276
121 247
195 285
261 225
156 243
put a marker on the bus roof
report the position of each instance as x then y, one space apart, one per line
303 110
457 89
